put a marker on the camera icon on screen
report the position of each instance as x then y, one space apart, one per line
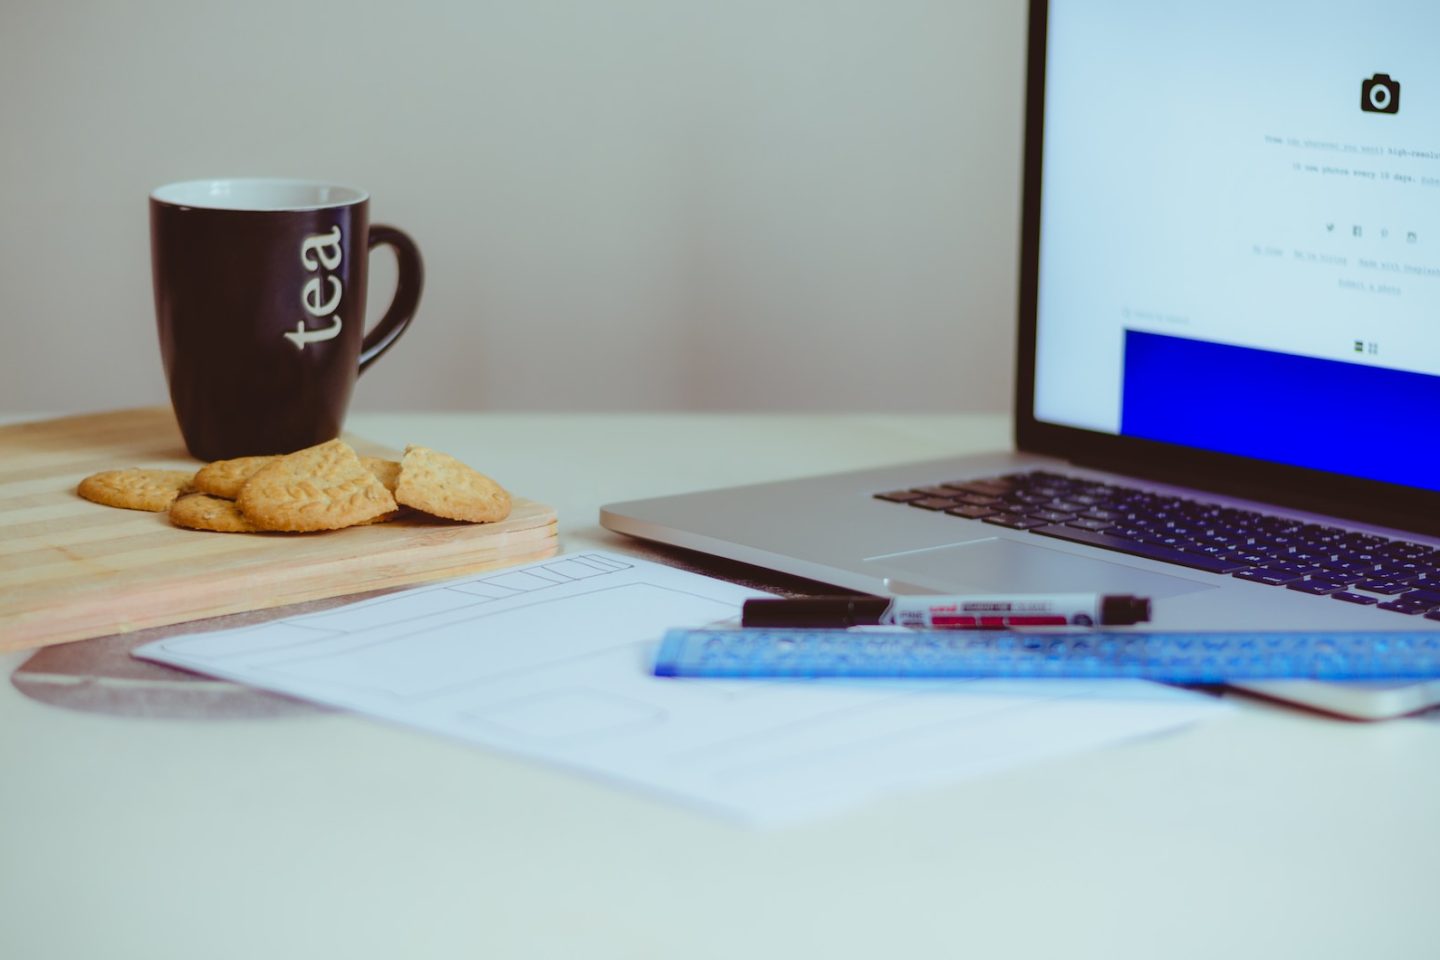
1380 94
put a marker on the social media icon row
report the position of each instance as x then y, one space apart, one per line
1357 230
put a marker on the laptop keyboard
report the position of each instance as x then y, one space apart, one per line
1400 576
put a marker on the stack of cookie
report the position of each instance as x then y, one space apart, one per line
325 487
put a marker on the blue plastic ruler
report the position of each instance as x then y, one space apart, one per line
1172 657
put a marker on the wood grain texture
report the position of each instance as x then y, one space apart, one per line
71 569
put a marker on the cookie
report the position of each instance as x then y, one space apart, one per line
386 471
224 478
136 489
438 484
324 487
202 511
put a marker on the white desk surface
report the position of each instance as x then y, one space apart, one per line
1268 832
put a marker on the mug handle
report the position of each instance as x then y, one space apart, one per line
407 293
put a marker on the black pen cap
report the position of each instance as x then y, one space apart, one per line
814 612
1122 610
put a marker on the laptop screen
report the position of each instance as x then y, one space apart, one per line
1239 230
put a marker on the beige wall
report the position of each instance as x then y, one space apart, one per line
699 204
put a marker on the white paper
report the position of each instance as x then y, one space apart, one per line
552 660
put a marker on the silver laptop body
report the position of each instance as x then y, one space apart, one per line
1230 275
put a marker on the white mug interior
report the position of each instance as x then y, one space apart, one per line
257 193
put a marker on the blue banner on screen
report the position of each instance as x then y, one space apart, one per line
1348 418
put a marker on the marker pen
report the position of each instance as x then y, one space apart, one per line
946 612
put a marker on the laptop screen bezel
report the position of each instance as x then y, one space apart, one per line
1392 505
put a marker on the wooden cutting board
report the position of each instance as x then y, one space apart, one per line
72 569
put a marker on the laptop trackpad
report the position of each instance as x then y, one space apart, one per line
1005 566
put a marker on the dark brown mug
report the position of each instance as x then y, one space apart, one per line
260 301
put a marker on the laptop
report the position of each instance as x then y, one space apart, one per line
1228 375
